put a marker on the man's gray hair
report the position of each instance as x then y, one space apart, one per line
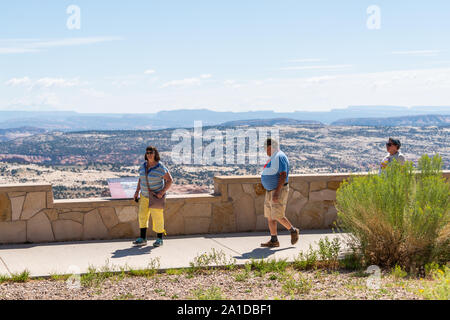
271 142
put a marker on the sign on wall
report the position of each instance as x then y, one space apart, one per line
123 188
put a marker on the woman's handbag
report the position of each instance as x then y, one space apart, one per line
153 201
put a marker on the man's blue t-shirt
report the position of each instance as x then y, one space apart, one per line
278 163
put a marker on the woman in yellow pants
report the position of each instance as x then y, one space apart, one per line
154 181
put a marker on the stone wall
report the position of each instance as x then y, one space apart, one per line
310 202
28 213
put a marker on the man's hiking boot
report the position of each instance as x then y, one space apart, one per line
270 244
294 236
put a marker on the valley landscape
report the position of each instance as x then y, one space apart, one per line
78 164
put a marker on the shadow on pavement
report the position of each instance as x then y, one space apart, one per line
260 253
264 233
133 251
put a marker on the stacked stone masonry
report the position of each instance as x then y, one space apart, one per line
28 213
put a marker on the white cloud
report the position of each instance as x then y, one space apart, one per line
17 50
439 62
43 82
13 46
320 79
18 81
329 67
418 53
306 60
232 84
186 82
45 101
56 82
397 87
132 80
93 93
72 42
150 71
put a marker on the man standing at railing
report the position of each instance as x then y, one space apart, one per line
274 179
393 147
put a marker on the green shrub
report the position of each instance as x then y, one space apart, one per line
261 267
150 271
207 261
399 217
306 261
213 293
92 278
352 261
241 276
439 289
294 286
4 278
329 252
175 271
398 273
431 268
20 277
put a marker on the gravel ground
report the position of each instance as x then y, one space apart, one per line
219 284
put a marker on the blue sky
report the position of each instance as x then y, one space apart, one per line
145 56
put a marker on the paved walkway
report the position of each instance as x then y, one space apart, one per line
76 257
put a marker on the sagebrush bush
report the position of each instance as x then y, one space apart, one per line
399 217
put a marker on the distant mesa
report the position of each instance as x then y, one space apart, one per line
413 121
172 119
269 122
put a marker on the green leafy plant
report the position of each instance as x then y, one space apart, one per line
175 271
213 293
431 268
439 289
150 271
293 286
399 217
24 276
329 252
4 278
352 261
398 273
60 277
306 261
242 276
92 278
206 261
261 267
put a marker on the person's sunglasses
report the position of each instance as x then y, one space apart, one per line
389 144
150 152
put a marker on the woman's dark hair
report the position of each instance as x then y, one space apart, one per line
395 142
155 151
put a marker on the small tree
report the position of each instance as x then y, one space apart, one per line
401 216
